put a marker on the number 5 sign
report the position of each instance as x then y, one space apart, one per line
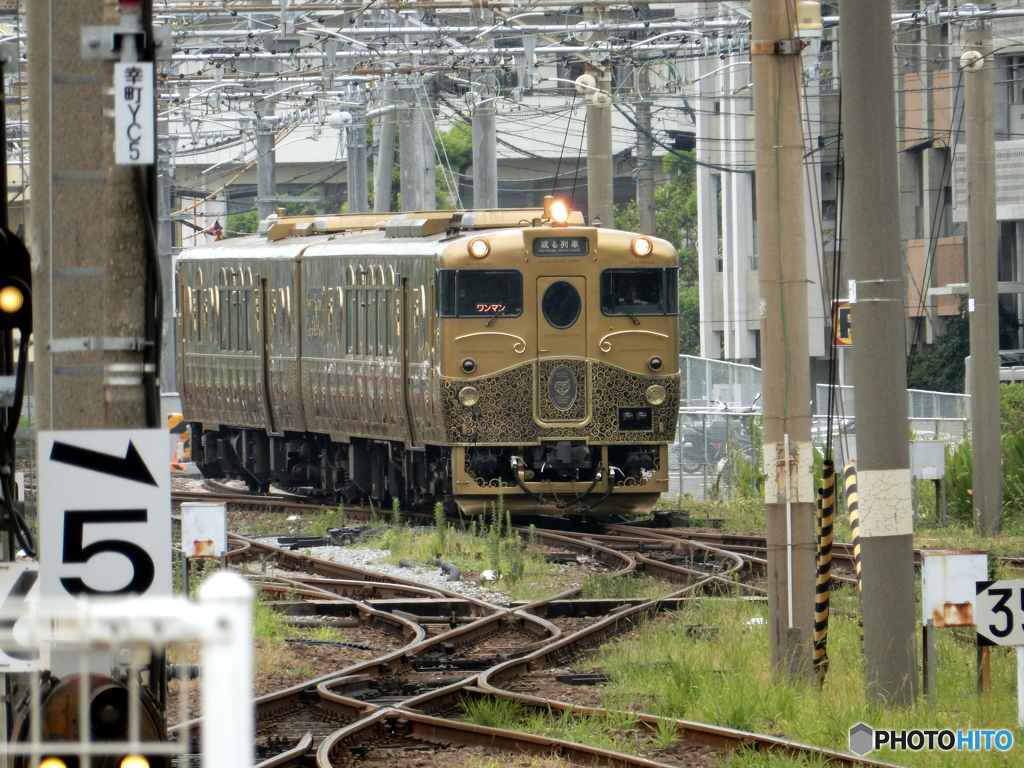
104 513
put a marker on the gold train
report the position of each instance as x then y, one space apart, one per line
440 356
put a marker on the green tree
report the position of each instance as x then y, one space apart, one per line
940 367
455 148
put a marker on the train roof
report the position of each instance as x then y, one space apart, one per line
413 224
288 236
414 234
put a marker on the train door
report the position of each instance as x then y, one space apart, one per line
263 336
561 317
410 325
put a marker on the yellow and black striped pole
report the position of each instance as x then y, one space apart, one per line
822 593
852 506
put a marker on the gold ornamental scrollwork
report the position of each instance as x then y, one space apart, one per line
519 346
606 346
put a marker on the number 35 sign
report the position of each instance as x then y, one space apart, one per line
104 513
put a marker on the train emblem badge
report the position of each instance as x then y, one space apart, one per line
562 388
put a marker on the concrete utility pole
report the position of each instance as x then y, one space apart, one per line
879 356
485 150
385 155
266 171
87 235
983 299
165 255
600 203
358 191
788 453
416 148
645 153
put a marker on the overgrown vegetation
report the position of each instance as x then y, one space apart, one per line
490 543
940 367
726 679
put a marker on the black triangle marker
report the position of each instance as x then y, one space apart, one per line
131 467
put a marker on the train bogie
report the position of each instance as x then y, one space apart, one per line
438 356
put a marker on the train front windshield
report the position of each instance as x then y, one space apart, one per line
649 291
480 292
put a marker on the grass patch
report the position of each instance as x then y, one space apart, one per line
608 587
731 684
490 542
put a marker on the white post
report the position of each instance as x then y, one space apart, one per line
1020 685
228 721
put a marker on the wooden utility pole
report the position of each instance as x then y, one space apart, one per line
788 454
983 298
875 253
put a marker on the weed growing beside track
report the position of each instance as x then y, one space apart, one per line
724 678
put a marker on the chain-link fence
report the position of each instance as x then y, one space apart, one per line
720 427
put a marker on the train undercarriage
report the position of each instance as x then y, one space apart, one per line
557 477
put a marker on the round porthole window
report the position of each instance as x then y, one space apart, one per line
561 304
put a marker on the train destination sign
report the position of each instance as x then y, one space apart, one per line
561 246
104 513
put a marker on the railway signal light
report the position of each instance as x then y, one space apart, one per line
15 283
110 705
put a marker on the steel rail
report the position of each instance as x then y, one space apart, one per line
335 698
391 723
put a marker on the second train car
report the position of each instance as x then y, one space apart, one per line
441 356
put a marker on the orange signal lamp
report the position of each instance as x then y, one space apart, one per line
12 299
642 246
479 248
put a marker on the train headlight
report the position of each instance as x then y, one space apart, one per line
479 248
655 363
642 246
53 762
135 761
469 396
655 394
468 365
556 211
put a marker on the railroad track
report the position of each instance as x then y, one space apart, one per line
451 649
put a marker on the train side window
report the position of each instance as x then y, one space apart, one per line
350 322
389 313
371 311
479 292
645 291
382 320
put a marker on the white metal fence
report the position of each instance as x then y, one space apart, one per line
719 424
130 632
